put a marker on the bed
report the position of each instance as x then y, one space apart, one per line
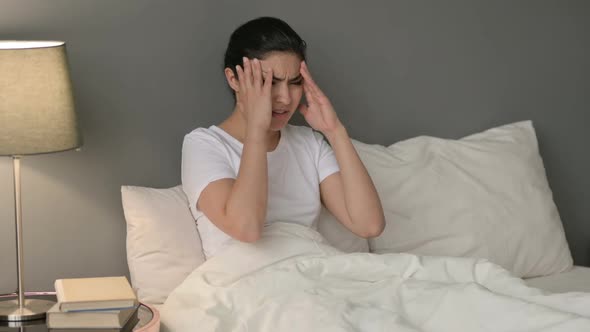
471 226
575 280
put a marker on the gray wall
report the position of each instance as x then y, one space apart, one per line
147 72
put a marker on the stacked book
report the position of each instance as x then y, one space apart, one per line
99 304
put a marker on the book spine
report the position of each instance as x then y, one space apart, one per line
59 290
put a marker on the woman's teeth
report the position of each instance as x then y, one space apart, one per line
280 113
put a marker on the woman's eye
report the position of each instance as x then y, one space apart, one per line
291 83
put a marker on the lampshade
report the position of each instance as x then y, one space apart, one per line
37 112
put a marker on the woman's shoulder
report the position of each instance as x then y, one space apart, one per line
206 133
205 136
200 131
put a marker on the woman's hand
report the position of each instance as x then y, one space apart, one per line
318 112
254 98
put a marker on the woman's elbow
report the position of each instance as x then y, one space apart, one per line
249 234
374 228
248 237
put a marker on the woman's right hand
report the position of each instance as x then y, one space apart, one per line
254 98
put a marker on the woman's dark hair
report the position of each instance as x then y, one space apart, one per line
258 37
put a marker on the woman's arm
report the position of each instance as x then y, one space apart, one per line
238 207
349 194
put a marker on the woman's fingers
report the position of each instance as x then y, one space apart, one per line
308 80
241 78
247 72
308 95
252 73
267 80
257 73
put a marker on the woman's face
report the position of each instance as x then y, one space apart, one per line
287 86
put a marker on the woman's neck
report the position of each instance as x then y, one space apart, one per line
235 125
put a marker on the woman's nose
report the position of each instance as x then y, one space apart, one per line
282 95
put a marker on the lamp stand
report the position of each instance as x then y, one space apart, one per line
21 309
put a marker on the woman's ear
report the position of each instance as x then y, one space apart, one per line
232 79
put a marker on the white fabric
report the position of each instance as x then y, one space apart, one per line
338 235
575 280
291 280
296 167
163 246
483 196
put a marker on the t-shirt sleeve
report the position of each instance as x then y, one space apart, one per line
204 160
327 164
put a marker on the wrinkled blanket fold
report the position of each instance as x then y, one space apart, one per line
292 280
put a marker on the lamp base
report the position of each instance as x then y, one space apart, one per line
33 309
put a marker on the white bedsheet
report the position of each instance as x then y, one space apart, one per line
291 280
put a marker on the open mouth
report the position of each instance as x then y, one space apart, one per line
280 113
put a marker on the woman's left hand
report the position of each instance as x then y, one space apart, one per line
318 112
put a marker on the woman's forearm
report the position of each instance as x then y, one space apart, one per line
361 198
246 206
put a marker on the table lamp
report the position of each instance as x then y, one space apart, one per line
36 116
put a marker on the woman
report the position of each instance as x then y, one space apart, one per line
254 168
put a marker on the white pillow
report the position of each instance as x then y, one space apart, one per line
485 195
163 245
338 235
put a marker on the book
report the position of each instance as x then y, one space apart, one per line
91 319
77 294
127 328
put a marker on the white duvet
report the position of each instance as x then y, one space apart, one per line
292 280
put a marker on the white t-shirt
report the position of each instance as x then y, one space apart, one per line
301 160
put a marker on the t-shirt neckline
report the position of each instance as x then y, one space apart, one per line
282 138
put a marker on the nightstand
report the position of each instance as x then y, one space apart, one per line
149 317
